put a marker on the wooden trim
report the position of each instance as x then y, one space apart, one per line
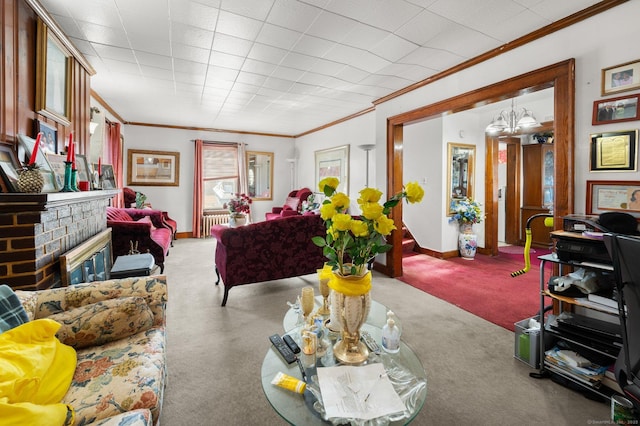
560 76
106 106
207 129
341 120
597 8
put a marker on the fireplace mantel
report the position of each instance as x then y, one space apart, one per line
35 229
19 202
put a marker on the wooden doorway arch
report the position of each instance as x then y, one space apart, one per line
561 77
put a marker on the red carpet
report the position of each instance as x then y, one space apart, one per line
482 286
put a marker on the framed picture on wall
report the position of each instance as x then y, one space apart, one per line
616 110
333 162
153 168
614 151
57 166
53 76
614 195
621 78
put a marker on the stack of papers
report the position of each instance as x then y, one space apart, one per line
358 392
591 374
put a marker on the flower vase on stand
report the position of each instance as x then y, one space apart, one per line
352 302
237 219
467 241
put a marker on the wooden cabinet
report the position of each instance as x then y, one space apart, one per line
537 191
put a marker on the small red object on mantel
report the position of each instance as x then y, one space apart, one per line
36 147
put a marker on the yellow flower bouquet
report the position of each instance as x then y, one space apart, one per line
352 242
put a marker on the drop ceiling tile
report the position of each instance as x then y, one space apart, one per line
293 14
423 27
191 36
194 13
84 47
249 8
190 53
276 36
157 73
221 73
312 46
258 67
71 29
392 14
330 26
112 36
156 61
462 41
358 58
393 48
265 53
512 29
277 84
151 45
226 60
351 74
231 45
363 36
158 27
238 26
118 53
250 78
299 61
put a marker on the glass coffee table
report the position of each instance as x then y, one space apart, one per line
404 369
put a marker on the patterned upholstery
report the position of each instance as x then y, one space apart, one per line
121 382
292 205
126 230
267 250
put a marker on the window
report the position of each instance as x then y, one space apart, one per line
220 177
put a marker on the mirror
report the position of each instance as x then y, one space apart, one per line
460 173
260 175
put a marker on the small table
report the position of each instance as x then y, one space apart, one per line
295 408
133 265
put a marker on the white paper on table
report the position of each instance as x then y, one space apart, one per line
345 388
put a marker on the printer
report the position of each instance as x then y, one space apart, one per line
581 237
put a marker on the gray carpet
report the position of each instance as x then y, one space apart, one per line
214 354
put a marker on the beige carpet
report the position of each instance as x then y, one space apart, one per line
214 354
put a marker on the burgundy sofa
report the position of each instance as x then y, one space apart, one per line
268 250
292 206
141 226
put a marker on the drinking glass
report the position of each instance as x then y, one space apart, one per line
307 301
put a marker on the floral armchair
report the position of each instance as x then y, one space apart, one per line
292 206
141 228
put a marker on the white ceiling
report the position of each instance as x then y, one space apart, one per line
280 66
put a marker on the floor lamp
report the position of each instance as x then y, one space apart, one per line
367 148
292 170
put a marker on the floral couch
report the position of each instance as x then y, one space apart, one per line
117 328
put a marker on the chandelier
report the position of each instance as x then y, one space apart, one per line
512 121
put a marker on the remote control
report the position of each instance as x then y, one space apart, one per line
371 344
284 350
291 343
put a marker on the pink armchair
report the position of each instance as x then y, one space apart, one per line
130 202
292 206
142 228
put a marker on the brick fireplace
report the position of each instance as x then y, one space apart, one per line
35 229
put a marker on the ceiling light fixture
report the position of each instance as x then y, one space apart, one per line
512 121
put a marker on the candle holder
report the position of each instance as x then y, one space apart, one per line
67 177
74 180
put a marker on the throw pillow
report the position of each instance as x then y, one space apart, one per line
101 322
12 313
292 203
146 219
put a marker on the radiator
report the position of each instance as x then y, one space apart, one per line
209 220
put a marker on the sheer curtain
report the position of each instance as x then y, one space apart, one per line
199 174
197 190
113 151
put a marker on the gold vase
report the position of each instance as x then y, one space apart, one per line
352 310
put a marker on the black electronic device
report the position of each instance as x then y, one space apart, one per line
291 343
573 247
281 346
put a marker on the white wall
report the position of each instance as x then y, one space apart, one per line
178 200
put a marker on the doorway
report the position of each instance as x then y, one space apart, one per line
558 76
